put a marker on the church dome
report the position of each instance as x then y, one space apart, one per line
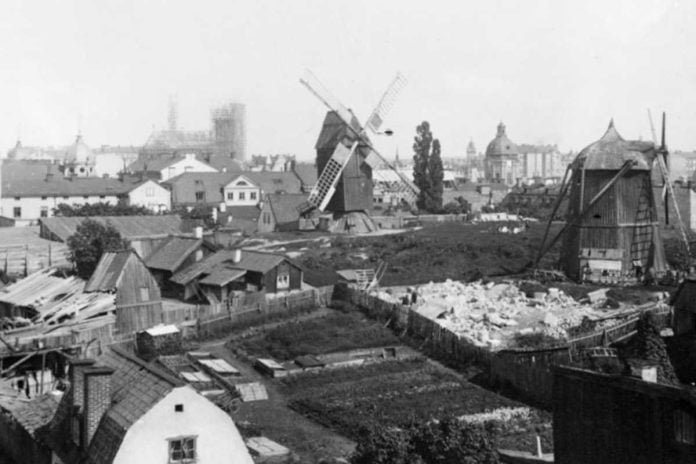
501 145
79 153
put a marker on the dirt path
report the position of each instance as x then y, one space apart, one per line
275 419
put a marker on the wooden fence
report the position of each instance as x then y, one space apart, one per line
527 371
22 260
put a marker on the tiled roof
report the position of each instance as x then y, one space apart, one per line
172 253
185 186
306 172
254 261
136 387
108 272
129 227
31 414
276 182
284 207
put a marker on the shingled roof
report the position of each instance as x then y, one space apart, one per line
109 271
136 386
172 253
611 152
254 261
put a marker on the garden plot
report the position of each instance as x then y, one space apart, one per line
401 393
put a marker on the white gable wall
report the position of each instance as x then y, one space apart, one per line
151 195
217 439
242 192
188 164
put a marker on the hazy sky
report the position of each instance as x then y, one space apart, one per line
553 71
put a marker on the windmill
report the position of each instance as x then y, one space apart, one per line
612 233
346 157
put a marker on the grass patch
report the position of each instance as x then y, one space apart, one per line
328 334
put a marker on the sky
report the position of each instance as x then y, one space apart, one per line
554 72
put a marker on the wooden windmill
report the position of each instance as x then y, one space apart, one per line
346 157
612 233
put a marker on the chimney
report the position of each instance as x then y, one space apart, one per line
198 232
223 207
97 400
76 376
237 255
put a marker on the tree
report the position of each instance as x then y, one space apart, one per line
382 445
454 441
434 442
100 209
421 152
428 172
436 175
90 241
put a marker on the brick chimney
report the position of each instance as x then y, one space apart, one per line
97 400
77 368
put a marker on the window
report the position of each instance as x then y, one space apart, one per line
266 218
86 197
283 280
252 196
44 211
150 191
684 427
230 195
66 197
17 212
144 294
178 408
200 196
182 450
102 197
17 198
44 198
241 182
242 195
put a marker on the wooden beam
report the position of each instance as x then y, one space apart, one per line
561 193
624 169
17 363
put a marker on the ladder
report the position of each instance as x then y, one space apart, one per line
364 277
325 187
670 189
643 230
378 274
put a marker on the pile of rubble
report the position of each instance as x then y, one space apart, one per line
492 314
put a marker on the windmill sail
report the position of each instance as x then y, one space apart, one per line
374 122
323 190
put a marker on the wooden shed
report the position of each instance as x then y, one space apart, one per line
138 298
612 232
684 306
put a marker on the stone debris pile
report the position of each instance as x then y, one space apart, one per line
493 314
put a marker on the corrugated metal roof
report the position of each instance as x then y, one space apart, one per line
130 227
108 272
172 253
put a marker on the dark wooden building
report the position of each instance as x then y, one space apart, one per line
174 254
609 419
354 187
684 304
613 227
217 277
138 298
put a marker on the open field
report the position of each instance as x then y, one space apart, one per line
401 393
331 333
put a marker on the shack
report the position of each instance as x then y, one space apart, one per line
138 298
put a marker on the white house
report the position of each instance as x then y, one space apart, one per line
163 168
126 411
241 191
27 195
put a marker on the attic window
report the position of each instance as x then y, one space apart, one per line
178 408
241 182
597 216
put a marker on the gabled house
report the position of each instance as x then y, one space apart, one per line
241 191
220 275
138 298
174 254
280 212
162 168
198 188
121 409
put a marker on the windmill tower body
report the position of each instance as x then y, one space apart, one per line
613 226
354 187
